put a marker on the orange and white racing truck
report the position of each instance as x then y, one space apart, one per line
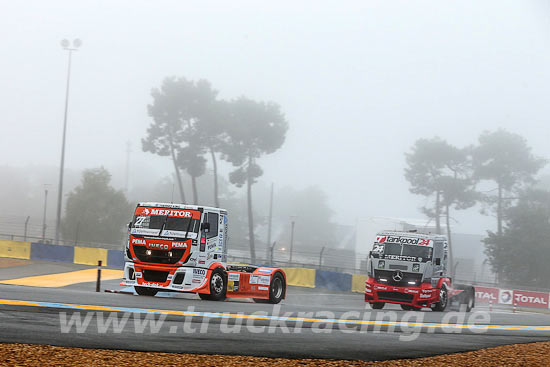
410 269
183 248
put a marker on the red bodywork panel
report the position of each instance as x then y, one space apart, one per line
421 296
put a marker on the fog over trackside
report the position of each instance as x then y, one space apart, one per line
359 83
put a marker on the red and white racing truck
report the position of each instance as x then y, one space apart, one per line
410 269
183 248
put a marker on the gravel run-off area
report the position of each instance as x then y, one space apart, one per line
532 354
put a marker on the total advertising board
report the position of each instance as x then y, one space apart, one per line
486 295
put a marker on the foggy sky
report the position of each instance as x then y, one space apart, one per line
359 82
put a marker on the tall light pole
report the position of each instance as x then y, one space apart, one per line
293 219
44 216
67 46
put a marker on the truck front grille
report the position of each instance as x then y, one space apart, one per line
158 256
404 282
395 296
156 276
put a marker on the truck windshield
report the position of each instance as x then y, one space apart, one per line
170 223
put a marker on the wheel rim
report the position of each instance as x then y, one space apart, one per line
277 288
443 297
217 283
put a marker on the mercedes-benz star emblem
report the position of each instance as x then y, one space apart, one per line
397 276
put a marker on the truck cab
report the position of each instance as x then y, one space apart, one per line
183 248
411 269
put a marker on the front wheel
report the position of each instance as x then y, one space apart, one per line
218 285
409 308
377 305
144 291
443 300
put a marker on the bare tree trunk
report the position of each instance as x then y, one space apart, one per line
437 213
499 211
215 166
250 216
195 193
178 175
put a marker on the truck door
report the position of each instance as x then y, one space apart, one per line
209 238
438 259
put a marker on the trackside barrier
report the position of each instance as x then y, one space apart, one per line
89 256
115 258
333 280
300 277
15 249
44 251
511 297
358 283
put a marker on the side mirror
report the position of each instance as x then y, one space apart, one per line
370 253
129 225
438 261
205 227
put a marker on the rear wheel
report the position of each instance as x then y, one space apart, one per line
277 289
443 300
377 305
144 291
468 301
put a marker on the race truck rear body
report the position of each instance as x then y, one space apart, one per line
183 248
410 269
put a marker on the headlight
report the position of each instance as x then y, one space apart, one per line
416 267
381 264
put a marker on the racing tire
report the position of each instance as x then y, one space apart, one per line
469 302
218 285
144 291
204 296
441 305
277 290
377 305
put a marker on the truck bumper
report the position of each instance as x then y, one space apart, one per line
163 278
420 296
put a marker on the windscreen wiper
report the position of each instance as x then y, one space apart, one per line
188 225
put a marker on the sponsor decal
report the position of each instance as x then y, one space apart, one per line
152 284
138 274
260 288
253 279
402 258
179 245
505 297
531 299
404 240
486 295
196 280
424 296
264 279
175 286
233 276
201 262
263 270
199 273
176 213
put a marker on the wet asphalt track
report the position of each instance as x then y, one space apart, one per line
292 330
